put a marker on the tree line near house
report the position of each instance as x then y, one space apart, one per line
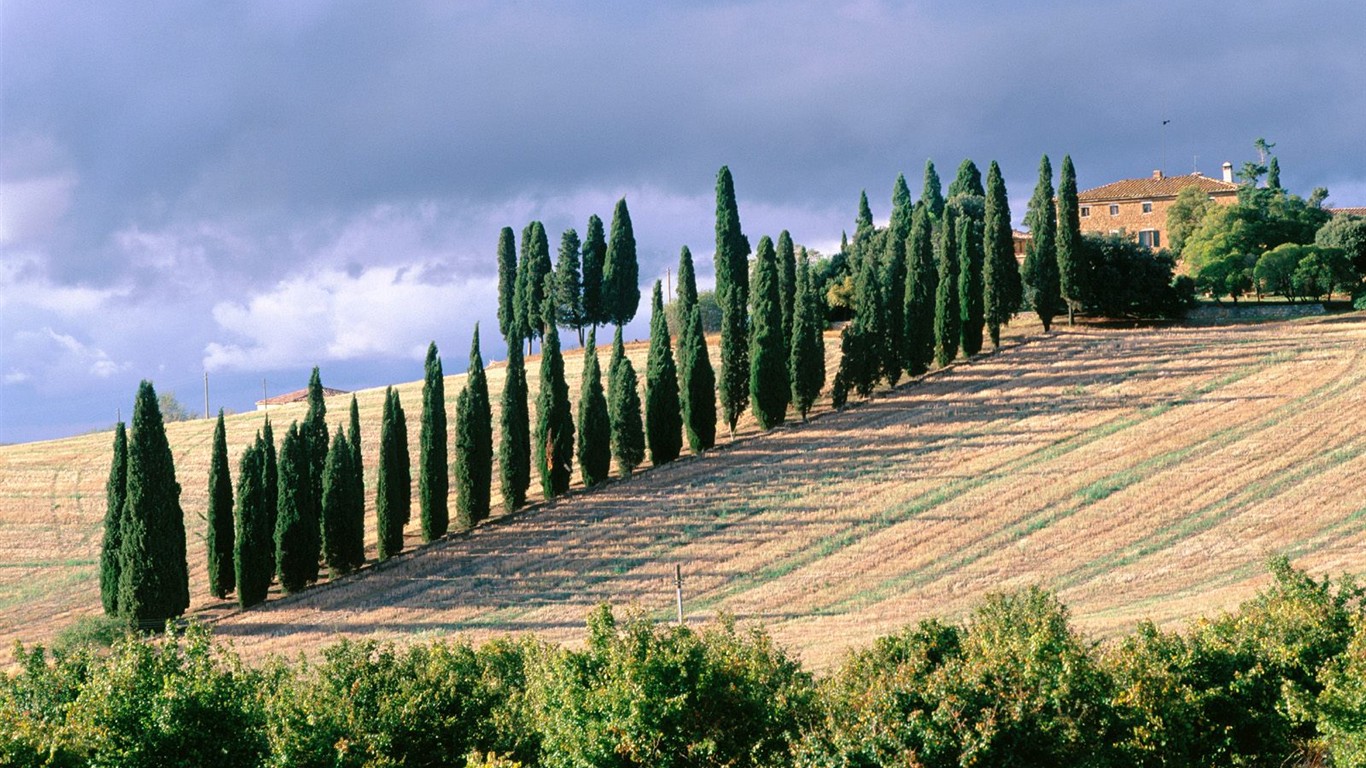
1280 681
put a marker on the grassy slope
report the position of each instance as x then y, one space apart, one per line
1140 473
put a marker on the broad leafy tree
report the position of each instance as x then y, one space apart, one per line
218 538
768 385
663 410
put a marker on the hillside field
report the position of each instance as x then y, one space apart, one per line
1139 473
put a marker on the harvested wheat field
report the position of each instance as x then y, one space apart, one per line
1140 473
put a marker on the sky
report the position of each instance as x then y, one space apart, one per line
250 189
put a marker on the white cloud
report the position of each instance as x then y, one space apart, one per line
52 357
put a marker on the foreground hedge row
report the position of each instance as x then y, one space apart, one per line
1280 682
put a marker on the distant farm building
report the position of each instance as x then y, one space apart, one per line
297 396
1138 207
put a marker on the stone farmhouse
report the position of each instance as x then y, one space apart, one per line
1138 207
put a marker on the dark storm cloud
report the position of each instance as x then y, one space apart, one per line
189 169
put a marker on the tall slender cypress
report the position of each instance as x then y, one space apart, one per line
389 515
297 533
620 271
787 285
970 211
768 385
434 479
270 484
946 319
569 285
806 366
514 452
338 518
403 463
357 466
554 443
922 277
595 427
864 230
154 581
663 408
507 283
931 196
594 256
218 539
253 542
1041 260
859 367
116 491
623 410
697 380
968 181
531 272
732 293
1000 273
473 443
1073 271
316 438
893 277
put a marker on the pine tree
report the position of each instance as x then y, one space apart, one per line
970 210
787 286
116 491
337 506
569 285
270 485
154 581
254 544
893 278
218 539
697 379
314 431
921 279
1000 273
298 540
434 480
768 384
389 513
474 443
663 408
554 443
507 284
1073 271
931 196
595 428
531 272
1041 260
968 181
514 452
620 271
594 256
946 329
623 410
732 293
806 367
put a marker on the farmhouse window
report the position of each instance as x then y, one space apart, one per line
1147 207
1085 211
1150 238
1114 210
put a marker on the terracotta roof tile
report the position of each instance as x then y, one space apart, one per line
298 396
1150 188
1348 211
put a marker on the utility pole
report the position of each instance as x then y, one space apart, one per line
678 590
206 394
265 399
668 283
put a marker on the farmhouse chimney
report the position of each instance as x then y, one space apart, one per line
1228 171
1157 175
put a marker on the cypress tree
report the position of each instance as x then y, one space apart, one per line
806 367
1273 174
507 284
1073 270
531 274
732 293
970 210
946 307
768 384
1041 260
297 533
787 286
569 285
116 491
219 537
389 516
253 544
594 255
697 380
893 279
473 443
403 462
554 420
434 480
863 230
270 485
921 278
514 452
595 428
931 196
337 546
860 364
314 431
623 410
154 581
357 467
968 181
663 409
1000 273
620 271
